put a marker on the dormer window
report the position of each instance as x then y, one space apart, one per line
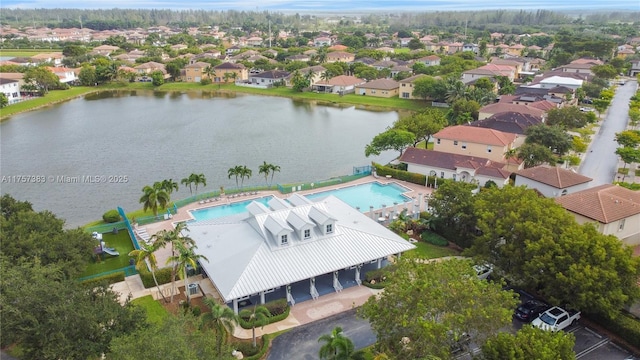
307 234
284 240
329 228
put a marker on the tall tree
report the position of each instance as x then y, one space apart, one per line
425 304
188 181
42 78
199 179
154 197
177 237
266 170
452 208
258 317
221 319
535 154
392 139
53 317
335 345
245 172
552 137
422 124
169 186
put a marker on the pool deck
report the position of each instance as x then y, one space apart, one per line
183 213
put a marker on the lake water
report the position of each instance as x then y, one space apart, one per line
96 153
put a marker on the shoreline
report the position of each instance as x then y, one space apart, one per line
317 98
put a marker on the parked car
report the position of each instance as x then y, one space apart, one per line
587 101
556 319
530 310
483 271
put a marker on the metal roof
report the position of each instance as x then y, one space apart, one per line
243 259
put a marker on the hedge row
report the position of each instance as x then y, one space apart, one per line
108 279
247 348
162 275
624 325
414 178
279 310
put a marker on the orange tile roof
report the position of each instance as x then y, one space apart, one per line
476 135
502 107
605 203
553 176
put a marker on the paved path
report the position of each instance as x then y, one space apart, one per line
601 162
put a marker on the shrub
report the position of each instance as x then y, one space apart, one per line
400 174
162 275
111 216
196 311
279 310
277 307
205 81
623 171
433 238
107 279
253 353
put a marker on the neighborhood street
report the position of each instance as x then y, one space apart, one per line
601 162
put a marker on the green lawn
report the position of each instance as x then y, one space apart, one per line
122 243
155 311
427 251
26 52
54 96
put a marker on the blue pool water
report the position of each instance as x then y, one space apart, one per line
226 209
362 195
366 195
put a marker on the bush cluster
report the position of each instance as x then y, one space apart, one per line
251 353
278 310
162 275
381 276
111 216
433 238
414 178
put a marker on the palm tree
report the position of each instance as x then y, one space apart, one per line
336 345
169 186
266 170
209 71
154 197
186 257
221 319
199 179
146 257
187 182
258 317
274 169
509 154
226 77
174 237
245 172
235 171
456 89
325 76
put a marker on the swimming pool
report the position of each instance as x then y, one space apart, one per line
363 196
226 209
366 195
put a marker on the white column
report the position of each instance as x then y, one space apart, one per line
371 213
262 297
235 306
419 202
358 267
290 298
336 282
312 288
379 263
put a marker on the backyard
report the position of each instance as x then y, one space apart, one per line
104 262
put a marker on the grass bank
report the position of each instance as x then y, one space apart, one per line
52 97
122 243
27 52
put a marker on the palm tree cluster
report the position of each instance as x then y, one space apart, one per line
268 169
336 346
194 179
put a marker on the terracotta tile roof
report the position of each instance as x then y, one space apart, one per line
508 122
231 66
443 160
553 176
543 105
605 203
411 79
502 107
342 80
381 84
476 135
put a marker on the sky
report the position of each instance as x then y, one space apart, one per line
328 5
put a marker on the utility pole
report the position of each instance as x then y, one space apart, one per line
269 32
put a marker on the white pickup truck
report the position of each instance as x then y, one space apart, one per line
556 319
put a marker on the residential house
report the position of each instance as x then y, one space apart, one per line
385 88
456 167
341 56
314 74
396 70
65 75
254 41
635 68
337 47
322 41
295 250
178 47
471 47
515 50
552 181
298 57
104 50
431 60
407 85
237 72
269 78
196 72
489 70
509 122
501 107
145 70
341 84
475 141
555 81
384 64
232 50
53 58
386 49
582 66
614 210
11 89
